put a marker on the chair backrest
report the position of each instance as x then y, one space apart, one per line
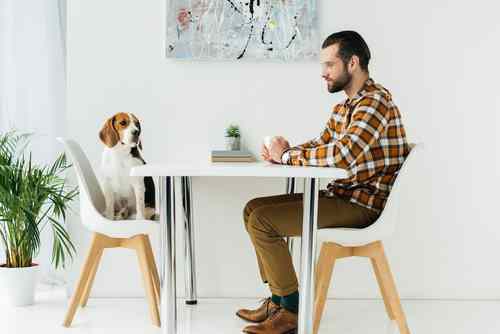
390 214
90 190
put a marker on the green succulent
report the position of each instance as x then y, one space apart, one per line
232 131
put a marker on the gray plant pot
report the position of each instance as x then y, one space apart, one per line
232 143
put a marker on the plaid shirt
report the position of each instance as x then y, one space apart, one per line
365 136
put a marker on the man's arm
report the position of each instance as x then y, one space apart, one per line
369 119
324 137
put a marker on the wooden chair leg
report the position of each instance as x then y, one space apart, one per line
90 282
388 288
95 249
324 269
378 276
154 271
147 277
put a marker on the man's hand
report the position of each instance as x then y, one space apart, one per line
274 153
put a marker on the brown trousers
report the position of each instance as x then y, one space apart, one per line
269 219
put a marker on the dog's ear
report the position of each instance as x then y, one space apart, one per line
108 134
136 121
138 124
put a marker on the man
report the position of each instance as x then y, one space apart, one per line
365 136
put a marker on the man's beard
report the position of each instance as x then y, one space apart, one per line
341 83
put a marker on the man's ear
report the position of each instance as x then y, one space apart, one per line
108 134
353 62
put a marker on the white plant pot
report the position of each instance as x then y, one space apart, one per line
18 284
232 143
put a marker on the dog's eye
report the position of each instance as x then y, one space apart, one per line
123 123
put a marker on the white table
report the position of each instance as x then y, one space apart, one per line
167 174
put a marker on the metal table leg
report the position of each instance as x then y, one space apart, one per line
290 189
290 185
308 251
189 250
168 312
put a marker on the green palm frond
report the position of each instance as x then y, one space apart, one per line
31 197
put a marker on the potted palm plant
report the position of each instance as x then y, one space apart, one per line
232 137
32 198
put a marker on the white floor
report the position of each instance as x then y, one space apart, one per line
108 316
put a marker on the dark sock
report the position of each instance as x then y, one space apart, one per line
276 299
291 302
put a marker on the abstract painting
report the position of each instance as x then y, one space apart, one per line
248 29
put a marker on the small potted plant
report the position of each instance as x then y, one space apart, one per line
32 198
232 137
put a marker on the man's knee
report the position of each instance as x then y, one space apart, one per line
256 221
249 208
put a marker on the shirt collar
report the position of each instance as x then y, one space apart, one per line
350 102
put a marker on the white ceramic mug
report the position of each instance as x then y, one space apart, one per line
267 141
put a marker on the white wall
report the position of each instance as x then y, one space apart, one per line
439 58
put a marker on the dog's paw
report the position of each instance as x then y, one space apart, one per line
149 213
122 214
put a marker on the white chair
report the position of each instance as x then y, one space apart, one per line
366 242
107 233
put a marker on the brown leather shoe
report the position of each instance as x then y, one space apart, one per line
261 313
281 321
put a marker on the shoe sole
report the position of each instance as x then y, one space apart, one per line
293 331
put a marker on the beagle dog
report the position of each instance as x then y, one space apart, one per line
126 196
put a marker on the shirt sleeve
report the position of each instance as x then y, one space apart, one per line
324 137
368 121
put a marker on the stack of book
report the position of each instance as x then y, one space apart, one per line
231 156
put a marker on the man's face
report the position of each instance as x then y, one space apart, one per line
333 69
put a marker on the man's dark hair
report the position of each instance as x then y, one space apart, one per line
350 43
